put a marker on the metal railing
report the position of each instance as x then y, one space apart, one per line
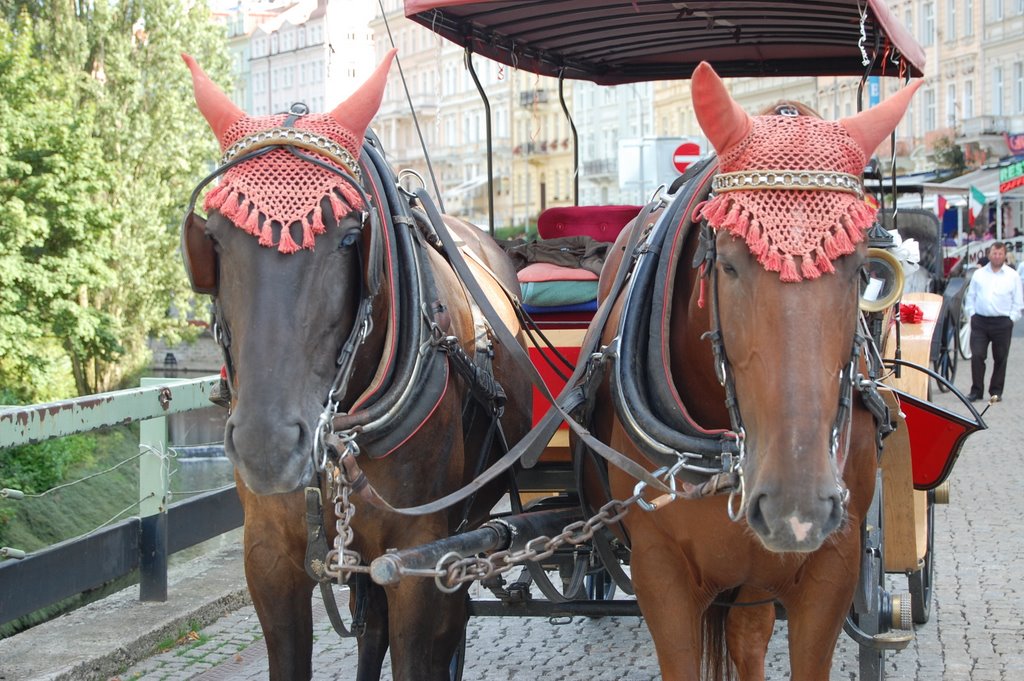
144 543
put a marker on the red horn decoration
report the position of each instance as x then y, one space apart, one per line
870 127
356 112
219 111
723 120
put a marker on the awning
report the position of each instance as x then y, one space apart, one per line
466 187
985 179
624 41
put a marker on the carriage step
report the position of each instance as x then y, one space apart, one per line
897 639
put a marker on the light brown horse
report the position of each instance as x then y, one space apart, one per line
344 317
783 298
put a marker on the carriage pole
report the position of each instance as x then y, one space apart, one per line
490 151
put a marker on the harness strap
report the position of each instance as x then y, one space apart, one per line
316 563
529 448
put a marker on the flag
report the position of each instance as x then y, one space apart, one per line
977 203
942 206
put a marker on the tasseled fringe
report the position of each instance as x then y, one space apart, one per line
235 210
287 245
715 210
252 223
307 235
267 235
696 215
215 199
755 240
244 214
861 214
808 269
314 226
838 244
337 207
772 261
737 221
788 271
823 262
351 197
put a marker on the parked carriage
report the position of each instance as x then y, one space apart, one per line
558 548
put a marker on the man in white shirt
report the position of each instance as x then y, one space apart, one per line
994 300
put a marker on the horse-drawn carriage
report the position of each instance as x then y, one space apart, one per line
727 403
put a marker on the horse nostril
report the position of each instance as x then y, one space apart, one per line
755 516
838 511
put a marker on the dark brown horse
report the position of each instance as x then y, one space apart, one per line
777 299
342 321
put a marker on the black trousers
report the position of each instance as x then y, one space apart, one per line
997 331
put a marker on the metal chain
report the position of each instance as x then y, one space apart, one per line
342 561
452 571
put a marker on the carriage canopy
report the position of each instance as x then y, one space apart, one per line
623 41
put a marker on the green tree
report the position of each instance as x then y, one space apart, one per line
100 146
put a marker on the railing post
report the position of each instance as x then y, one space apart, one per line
154 495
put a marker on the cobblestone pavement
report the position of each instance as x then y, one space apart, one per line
975 632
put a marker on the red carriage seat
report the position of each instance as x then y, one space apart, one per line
601 223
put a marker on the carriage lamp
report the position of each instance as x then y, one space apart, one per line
882 282
878 237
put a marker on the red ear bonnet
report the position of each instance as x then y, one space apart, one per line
790 186
272 195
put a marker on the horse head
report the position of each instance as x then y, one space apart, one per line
284 254
789 223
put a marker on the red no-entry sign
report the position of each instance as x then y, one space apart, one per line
685 154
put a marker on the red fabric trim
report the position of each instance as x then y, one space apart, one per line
390 272
447 376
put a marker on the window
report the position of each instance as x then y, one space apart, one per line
997 91
951 105
928 24
968 111
930 122
997 10
951 20
968 17
1018 87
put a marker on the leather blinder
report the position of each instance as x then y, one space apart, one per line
199 255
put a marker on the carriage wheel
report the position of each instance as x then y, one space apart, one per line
867 604
600 586
963 344
946 360
920 582
458 663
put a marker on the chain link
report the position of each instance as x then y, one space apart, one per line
452 571
342 560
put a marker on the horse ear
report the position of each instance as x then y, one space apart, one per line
219 111
868 128
723 120
356 112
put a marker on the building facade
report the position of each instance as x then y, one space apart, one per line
317 51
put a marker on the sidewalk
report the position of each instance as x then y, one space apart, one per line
104 638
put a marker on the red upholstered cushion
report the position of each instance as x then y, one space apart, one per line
601 223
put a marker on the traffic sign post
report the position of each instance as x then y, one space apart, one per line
686 154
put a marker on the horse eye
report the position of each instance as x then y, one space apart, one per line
728 269
349 240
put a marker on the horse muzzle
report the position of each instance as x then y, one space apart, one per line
271 457
791 520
